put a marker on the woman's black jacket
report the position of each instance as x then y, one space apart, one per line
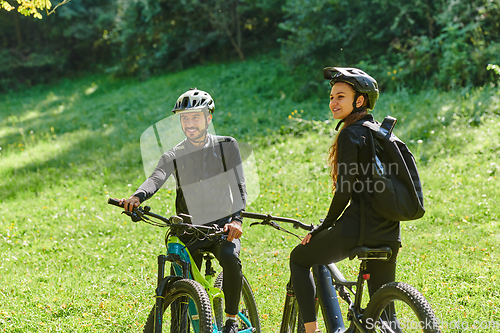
354 180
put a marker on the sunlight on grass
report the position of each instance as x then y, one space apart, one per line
42 152
71 263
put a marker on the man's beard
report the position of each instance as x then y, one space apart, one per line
197 136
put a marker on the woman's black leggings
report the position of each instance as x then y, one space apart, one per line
326 247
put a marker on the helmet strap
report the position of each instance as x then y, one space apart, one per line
339 123
355 109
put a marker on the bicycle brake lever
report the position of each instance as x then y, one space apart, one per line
133 216
271 223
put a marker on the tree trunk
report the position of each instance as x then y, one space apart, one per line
235 45
226 19
18 30
236 30
237 26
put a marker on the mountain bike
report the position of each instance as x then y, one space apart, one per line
395 307
186 300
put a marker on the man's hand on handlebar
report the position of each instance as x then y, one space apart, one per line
130 203
235 230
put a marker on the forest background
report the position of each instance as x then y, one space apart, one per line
445 44
79 87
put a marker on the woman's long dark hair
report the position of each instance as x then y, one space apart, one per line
333 151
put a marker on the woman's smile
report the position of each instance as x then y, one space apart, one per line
341 98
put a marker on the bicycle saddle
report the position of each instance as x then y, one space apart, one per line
371 253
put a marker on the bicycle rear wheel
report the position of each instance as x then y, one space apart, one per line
248 307
398 307
186 307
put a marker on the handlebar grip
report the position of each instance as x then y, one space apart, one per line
114 202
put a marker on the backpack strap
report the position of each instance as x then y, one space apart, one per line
177 180
388 125
381 130
222 155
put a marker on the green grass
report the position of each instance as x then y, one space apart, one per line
71 263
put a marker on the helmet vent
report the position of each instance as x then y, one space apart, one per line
185 102
194 101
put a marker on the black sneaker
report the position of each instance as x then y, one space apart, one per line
230 327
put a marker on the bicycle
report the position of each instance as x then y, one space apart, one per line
196 301
394 307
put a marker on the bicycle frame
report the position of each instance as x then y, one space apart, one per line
328 299
329 280
184 267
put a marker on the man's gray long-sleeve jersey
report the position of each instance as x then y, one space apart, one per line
210 180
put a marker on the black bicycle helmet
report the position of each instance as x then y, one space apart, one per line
359 80
194 100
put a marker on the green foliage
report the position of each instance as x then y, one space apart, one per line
153 35
70 262
494 68
31 7
414 44
60 45
422 43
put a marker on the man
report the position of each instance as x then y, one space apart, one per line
210 187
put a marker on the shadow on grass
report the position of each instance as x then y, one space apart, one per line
102 158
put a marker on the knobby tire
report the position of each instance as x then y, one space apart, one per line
247 306
175 319
412 311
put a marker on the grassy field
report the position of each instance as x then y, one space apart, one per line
71 263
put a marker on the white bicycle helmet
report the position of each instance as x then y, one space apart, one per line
194 100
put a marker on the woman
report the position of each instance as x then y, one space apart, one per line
353 94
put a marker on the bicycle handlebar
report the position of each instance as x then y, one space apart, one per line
113 201
266 217
140 214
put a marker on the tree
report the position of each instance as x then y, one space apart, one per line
31 7
225 18
418 43
37 51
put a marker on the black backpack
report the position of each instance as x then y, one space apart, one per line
397 194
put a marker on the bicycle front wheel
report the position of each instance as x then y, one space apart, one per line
186 309
248 314
398 307
291 322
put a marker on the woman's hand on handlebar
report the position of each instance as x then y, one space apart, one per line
130 203
306 239
235 230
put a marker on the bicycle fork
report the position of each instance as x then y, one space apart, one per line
162 284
